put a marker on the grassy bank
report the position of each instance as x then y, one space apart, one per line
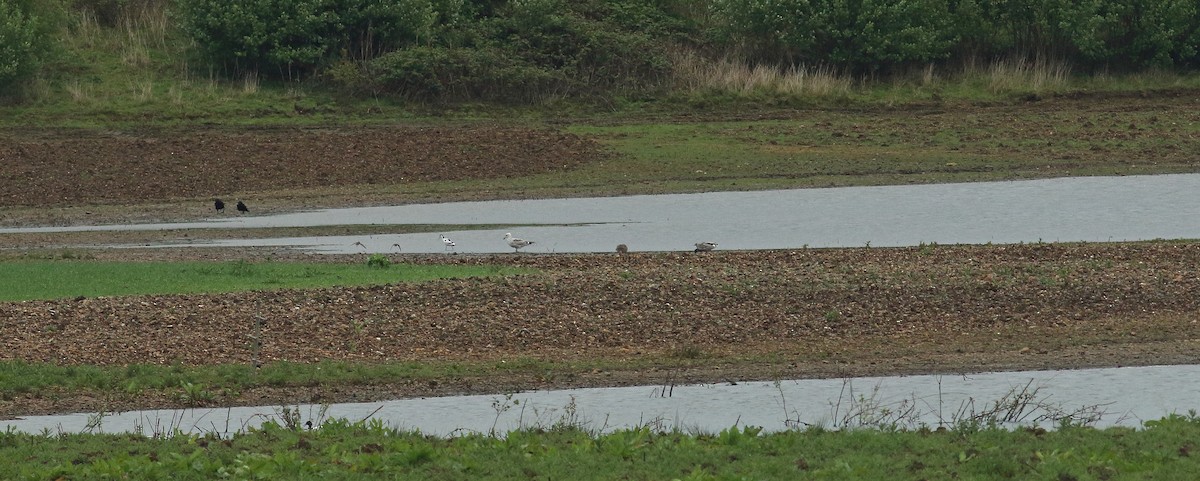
195 386
1164 449
27 280
835 148
121 95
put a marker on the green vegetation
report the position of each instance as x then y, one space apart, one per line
16 52
1163 449
103 61
877 148
228 380
624 66
24 280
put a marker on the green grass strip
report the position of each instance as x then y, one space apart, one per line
23 377
28 280
202 384
1163 449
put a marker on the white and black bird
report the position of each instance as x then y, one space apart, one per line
219 205
705 246
447 242
516 243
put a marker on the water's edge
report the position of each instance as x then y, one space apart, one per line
1125 396
1088 209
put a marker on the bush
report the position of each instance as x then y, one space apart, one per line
457 74
287 37
529 51
23 43
859 35
293 38
1138 34
872 35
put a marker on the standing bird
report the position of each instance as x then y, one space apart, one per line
219 205
447 242
705 246
241 207
622 248
516 243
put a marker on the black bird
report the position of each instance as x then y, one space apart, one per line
219 205
241 207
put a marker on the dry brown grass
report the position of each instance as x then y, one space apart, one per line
695 72
1022 74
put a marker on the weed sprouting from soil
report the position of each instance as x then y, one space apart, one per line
379 261
501 406
195 395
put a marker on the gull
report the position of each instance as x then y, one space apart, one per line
516 243
705 246
219 205
447 242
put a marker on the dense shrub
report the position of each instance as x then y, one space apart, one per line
443 73
526 50
860 35
23 45
532 50
291 38
1140 34
868 35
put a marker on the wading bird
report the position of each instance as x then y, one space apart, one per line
447 242
516 243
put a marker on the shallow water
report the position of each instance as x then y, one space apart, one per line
1124 396
1093 209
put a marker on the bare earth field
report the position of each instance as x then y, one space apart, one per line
658 317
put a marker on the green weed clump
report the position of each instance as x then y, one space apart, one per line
379 261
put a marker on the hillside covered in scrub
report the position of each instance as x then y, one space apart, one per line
172 54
